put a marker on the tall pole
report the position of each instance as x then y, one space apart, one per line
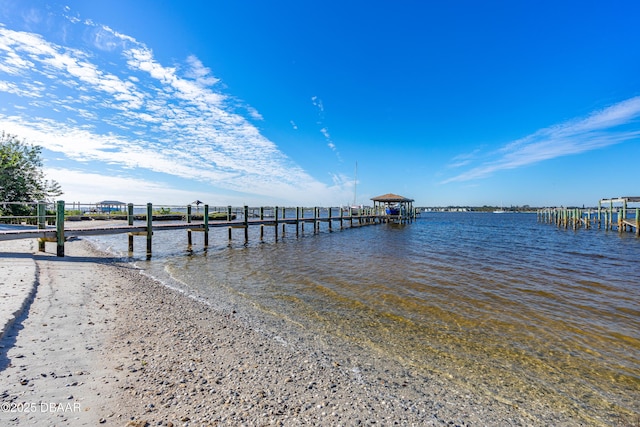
355 184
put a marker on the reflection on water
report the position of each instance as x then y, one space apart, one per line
519 310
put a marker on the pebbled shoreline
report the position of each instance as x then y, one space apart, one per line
128 350
186 363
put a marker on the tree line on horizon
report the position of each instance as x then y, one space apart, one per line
484 208
489 208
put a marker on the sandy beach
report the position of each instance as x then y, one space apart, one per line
95 342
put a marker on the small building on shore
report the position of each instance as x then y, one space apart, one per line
108 206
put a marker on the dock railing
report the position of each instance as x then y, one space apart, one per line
47 221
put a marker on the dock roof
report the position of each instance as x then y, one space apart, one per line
110 202
391 198
627 199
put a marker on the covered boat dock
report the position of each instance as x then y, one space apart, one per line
398 209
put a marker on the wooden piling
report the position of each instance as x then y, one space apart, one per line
204 229
206 226
611 215
284 215
316 225
189 231
149 229
229 216
42 223
261 225
60 228
189 240
588 223
603 218
619 218
130 222
246 224
275 222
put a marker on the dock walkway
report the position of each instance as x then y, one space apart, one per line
275 217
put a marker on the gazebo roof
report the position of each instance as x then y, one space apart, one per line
391 198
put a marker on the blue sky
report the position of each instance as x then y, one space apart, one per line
265 103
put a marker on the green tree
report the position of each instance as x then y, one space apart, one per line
21 175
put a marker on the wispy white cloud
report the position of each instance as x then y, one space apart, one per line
317 102
129 110
86 186
254 114
612 125
464 159
199 73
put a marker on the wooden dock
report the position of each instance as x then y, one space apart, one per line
611 214
275 217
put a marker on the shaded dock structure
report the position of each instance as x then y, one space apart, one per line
398 209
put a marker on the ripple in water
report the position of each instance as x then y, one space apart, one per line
521 311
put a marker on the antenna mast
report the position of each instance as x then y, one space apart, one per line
355 182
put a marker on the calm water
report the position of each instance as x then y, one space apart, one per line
519 310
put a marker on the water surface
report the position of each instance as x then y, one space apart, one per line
516 309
